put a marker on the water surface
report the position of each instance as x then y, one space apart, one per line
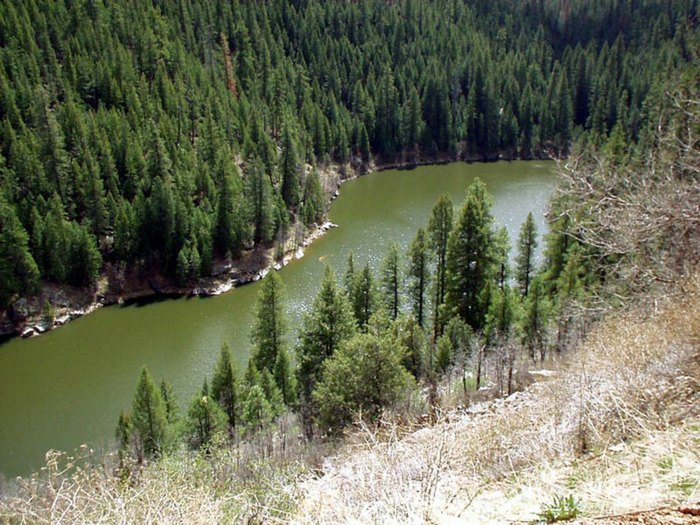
68 386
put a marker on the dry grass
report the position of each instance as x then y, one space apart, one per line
617 424
634 377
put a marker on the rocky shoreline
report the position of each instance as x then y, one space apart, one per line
56 305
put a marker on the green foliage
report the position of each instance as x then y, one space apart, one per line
561 508
502 315
285 379
444 354
205 420
314 200
439 228
407 334
418 275
364 301
257 411
525 260
533 323
390 281
329 323
225 388
363 377
149 418
470 258
270 323
169 401
18 270
136 118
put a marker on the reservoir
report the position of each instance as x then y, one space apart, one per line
68 386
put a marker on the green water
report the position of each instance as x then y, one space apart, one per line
68 386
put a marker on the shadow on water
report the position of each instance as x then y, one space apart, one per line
140 302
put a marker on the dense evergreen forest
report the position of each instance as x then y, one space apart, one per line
166 134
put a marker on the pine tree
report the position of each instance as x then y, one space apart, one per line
259 191
443 356
289 170
225 388
123 436
285 379
439 229
329 324
257 412
363 299
418 276
470 258
314 206
501 252
270 323
391 281
501 316
205 420
149 418
535 319
407 333
349 278
169 401
18 270
525 260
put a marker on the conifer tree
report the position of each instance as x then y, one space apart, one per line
534 319
501 252
289 166
418 276
205 420
363 300
149 418
391 281
349 277
123 436
470 258
18 271
324 329
439 229
257 412
525 260
285 379
169 401
443 356
314 205
225 387
270 323
259 191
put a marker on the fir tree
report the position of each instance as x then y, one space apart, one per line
363 299
525 260
391 281
329 324
18 271
205 420
439 229
418 276
470 258
289 170
149 418
225 388
270 323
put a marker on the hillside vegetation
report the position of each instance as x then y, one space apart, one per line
455 385
158 137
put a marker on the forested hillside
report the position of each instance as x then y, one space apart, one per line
165 134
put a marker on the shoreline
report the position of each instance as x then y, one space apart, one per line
56 305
